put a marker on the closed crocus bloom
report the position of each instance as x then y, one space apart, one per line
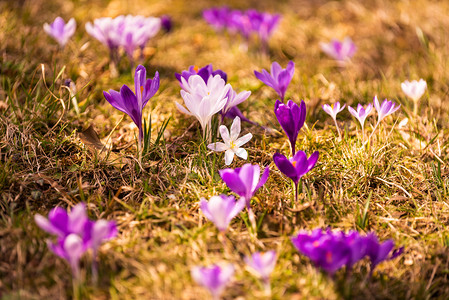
361 113
214 278
292 118
131 103
221 210
279 79
61 31
262 264
414 89
333 110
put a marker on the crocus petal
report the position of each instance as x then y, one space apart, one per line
243 140
229 157
242 153
218 146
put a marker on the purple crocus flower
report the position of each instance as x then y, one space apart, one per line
341 51
267 26
379 252
70 248
221 210
61 31
324 249
296 167
131 103
245 181
62 223
384 109
361 114
292 118
333 110
279 79
214 278
204 72
262 264
356 244
217 17
166 23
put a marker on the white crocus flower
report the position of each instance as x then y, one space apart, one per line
414 89
203 100
232 142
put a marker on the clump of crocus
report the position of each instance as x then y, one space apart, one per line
383 110
246 22
262 264
129 32
414 90
75 234
333 110
292 118
296 167
361 115
61 31
245 181
214 278
331 250
131 103
341 51
232 142
279 79
221 210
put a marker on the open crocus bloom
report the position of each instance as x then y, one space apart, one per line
203 100
131 103
334 109
262 263
214 278
232 142
221 210
279 79
292 118
361 113
384 109
61 31
297 166
414 89
341 51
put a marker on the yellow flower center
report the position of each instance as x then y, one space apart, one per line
316 244
232 144
141 90
195 68
294 165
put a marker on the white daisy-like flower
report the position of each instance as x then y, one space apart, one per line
232 142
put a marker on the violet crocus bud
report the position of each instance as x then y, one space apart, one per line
262 264
166 23
292 118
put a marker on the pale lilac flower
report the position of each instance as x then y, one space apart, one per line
61 31
221 210
70 248
414 89
341 51
333 110
214 278
361 114
279 79
386 109
262 264
232 142
203 100
234 99
106 31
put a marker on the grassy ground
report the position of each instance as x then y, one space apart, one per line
162 234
